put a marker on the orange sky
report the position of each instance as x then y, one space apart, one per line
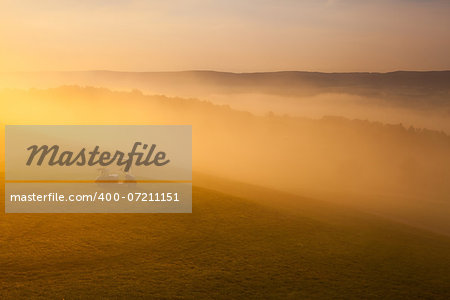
232 35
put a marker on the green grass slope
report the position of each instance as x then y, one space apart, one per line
229 247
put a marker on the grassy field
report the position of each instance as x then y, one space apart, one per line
229 247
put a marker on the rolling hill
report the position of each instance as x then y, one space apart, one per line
242 240
229 247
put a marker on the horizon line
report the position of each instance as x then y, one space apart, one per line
227 72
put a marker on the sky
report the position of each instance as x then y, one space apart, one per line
225 35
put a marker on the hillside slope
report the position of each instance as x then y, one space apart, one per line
228 247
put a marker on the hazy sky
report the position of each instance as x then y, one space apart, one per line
228 35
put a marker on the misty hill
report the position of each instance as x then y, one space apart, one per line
396 171
419 99
417 88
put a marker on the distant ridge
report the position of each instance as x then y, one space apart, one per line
399 85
